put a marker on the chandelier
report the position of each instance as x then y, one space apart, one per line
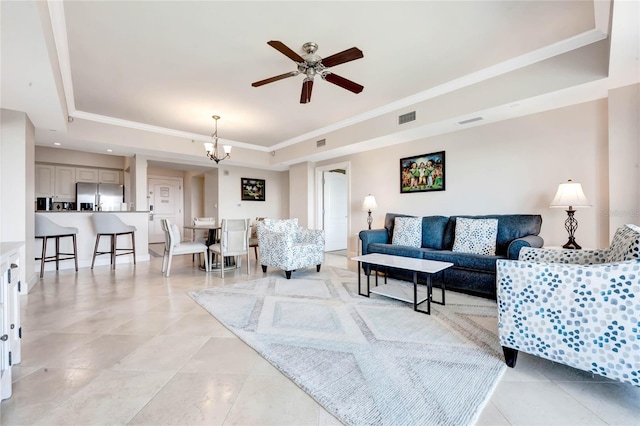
212 148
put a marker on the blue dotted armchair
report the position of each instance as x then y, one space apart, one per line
285 245
576 307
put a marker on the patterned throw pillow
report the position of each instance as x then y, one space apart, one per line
407 231
625 244
476 236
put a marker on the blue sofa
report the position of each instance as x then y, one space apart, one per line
472 273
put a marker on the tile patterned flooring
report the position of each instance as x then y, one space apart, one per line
130 347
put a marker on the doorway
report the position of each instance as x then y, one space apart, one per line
165 202
333 205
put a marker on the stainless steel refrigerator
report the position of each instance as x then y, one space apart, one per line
106 197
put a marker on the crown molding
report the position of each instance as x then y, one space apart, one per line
564 46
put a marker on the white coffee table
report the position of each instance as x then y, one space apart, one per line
399 291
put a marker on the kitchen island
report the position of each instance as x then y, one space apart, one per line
86 238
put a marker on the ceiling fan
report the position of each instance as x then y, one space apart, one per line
312 65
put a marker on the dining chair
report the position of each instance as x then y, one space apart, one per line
253 239
202 235
234 241
173 245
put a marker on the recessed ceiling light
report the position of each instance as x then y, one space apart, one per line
57 143
109 150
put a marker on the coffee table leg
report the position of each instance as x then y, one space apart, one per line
360 281
431 295
376 275
415 294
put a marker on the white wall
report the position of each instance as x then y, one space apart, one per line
230 201
45 154
211 185
513 166
302 200
17 140
624 157
139 193
197 196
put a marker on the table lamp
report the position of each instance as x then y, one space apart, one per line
570 196
369 204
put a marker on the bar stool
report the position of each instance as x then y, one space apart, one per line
45 229
106 224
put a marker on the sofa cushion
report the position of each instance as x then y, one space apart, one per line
432 231
407 231
476 236
625 244
478 262
510 227
404 251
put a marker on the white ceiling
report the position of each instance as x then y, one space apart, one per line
171 65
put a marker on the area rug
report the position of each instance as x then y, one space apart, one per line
368 361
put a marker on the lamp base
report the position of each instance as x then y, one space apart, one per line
572 245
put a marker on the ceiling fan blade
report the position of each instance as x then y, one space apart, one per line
342 57
305 96
276 78
280 47
343 82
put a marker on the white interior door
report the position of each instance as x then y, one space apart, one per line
335 210
165 202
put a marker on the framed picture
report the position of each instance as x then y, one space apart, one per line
252 189
422 173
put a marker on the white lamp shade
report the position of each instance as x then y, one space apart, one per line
569 194
208 146
227 149
369 203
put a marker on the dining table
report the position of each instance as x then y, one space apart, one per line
212 238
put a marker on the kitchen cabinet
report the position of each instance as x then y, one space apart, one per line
44 180
86 175
65 183
110 176
59 181
10 326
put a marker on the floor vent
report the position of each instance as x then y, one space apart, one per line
471 120
321 142
406 118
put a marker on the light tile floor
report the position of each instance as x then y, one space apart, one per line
130 347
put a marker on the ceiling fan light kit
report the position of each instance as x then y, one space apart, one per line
310 64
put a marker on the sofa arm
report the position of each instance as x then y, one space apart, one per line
527 241
312 236
372 236
578 257
577 315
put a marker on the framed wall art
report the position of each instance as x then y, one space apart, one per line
422 173
252 189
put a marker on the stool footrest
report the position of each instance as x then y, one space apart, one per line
56 257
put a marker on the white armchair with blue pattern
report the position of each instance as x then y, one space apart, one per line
580 308
285 245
